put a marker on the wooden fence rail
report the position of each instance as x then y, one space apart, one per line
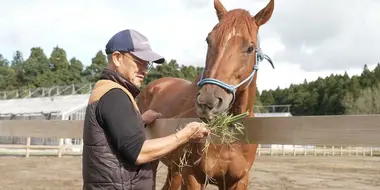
319 151
76 150
311 130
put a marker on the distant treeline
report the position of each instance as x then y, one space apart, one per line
333 95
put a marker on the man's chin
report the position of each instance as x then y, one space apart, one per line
138 84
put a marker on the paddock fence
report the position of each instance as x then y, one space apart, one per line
357 135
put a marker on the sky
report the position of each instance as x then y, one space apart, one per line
305 39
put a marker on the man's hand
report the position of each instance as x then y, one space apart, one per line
196 132
149 116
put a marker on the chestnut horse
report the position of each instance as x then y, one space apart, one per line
227 83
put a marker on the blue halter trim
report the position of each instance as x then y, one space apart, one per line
260 56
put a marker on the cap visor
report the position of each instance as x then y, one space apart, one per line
149 56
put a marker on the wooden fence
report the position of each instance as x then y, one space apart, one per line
318 151
347 134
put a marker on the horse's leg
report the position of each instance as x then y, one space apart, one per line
242 184
191 181
173 179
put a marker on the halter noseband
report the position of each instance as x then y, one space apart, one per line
260 56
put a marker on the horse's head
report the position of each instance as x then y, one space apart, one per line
232 58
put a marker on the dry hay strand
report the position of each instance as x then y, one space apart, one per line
226 127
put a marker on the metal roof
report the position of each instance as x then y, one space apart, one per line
64 104
58 104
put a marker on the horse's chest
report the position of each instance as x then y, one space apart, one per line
232 165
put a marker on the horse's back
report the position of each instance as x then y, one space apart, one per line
165 92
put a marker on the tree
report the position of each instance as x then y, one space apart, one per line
99 62
368 101
332 95
76 71
36 70
7 74
59 66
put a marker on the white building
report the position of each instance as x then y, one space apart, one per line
46 106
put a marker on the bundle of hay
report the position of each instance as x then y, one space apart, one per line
226 127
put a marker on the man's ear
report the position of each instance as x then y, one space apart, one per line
116 58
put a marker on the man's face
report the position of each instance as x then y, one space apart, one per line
131 67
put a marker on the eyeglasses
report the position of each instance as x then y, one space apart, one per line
139 61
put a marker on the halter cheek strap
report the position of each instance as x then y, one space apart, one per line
260 56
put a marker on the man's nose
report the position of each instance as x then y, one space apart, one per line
144 72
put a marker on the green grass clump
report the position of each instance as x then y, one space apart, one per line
227 127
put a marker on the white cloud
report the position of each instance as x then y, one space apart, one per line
177 29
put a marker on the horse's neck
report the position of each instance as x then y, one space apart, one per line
187 108
197 79
251 99
245 100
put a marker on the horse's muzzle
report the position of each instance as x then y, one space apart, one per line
211 100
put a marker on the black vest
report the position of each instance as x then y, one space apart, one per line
102 167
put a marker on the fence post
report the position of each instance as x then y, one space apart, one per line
81 146
305 150
27 147
333 150
259 149
283 150
60 150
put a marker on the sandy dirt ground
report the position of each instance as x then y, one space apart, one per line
277 173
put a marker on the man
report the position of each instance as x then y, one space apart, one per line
116 154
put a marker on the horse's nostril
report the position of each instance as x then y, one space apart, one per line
209 106
220 102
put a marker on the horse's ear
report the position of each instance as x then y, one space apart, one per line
220 10
265 14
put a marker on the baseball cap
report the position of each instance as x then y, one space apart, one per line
135 43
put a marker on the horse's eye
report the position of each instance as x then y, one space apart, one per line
250 49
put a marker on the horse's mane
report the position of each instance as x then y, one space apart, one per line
232 19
